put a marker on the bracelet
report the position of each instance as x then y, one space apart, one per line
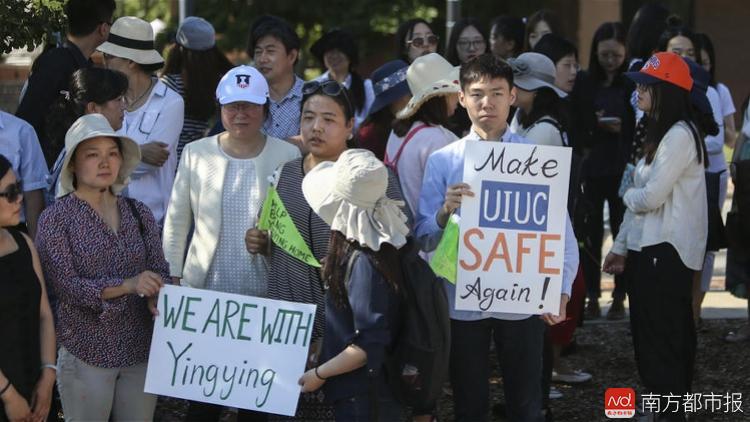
50 366
318 375
7 386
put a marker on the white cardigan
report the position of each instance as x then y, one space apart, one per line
197 197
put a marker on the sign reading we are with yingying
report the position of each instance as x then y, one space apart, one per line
512 232
228 349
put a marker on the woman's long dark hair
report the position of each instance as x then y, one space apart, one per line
386 262
606 31
433 112
87 85
675 28
647 25
201 72
452 55
546 103
671 104
704 43
543 15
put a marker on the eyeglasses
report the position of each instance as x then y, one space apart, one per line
420 42
330 88
474 44
13 192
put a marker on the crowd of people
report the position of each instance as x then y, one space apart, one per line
117 180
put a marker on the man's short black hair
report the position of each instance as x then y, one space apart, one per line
275 27
487 66
84 16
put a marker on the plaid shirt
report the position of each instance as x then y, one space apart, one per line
284 116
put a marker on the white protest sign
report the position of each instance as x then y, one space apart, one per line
511 244
233 350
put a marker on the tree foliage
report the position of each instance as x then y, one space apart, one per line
27 23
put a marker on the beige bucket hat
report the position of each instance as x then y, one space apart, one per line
91 126
428 76
350 196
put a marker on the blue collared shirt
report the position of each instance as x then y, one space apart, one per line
445 167
20 145
284 116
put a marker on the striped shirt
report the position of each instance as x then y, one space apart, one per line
284 116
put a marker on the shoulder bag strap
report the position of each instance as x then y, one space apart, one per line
408 138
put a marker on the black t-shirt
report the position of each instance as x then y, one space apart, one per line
50 74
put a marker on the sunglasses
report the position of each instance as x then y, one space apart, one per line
329 88
420 42
13 192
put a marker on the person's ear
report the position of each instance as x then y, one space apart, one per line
513 95
292 55
350 124
462 99
91 107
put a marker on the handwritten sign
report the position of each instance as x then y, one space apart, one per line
228 349
512 232
284 233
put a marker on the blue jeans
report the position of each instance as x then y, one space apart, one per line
357 408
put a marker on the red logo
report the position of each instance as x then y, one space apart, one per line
619 403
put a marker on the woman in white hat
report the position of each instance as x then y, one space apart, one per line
539 116
154 114
220 186
419 127
368 228
102 255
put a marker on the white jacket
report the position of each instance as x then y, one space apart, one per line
197 198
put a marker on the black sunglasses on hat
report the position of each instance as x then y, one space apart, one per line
13 192
420 42
330 88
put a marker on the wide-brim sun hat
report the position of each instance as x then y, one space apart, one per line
242 83
389 84
664 67
91 126
133 39
350 196
429 76
336 39
533 71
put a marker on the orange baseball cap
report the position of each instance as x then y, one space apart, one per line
664 67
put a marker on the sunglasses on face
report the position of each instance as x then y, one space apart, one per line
13 192
420 42
329 88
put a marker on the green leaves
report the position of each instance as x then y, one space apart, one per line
27 23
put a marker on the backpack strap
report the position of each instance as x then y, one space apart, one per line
393 163
557 125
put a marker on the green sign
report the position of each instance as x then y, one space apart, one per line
445 258
284 234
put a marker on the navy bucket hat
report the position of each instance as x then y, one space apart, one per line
389 84
701 80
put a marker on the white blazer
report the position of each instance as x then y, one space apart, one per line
197 197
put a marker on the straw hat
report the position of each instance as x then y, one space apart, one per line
350 196
92 126
428 76
133 39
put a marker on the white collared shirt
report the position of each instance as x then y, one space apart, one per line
673 198
20 145
158 120
360 116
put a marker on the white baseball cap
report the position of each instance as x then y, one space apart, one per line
242 83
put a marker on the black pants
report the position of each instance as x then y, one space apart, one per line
519 349
597 191
662 319
207 412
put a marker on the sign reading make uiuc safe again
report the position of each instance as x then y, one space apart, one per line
228 349
512 237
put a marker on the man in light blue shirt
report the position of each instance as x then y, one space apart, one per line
20 145
487 93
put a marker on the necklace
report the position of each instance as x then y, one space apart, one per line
132 104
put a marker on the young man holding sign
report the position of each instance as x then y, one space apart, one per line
487 93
